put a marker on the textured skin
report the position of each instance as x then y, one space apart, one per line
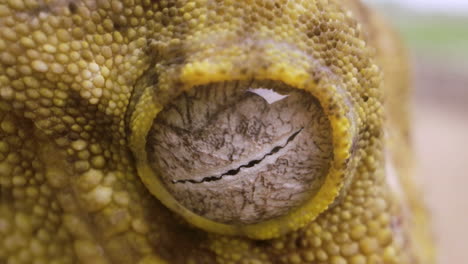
72 75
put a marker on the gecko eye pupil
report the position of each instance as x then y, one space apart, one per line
241 152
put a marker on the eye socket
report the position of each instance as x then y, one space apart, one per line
241 152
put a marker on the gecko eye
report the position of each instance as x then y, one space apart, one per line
241 152
246 158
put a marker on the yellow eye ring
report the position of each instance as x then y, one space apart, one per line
335 106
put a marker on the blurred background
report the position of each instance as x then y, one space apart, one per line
436 33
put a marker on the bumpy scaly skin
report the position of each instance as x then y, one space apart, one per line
73 72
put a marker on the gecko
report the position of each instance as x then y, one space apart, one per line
205 131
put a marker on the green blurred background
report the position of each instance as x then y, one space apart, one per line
436 34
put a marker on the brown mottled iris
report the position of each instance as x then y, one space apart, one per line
241 152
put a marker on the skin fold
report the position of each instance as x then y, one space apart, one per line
77 82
